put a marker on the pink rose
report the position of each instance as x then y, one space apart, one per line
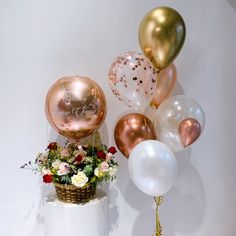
104 167
65 152
108 156
64 169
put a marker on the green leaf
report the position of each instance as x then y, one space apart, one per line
66 179
88 170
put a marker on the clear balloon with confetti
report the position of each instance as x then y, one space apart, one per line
133 80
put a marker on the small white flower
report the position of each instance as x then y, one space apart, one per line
56 164
80 179
42 158
64 169
104 167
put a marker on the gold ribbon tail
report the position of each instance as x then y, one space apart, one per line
158 201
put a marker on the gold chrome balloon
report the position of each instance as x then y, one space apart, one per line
75 107
161 35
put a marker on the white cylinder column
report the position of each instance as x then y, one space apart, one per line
65 219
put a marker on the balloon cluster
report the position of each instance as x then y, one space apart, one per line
140 80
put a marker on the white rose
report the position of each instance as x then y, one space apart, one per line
98 173
112 171
46 171
56 164
80 179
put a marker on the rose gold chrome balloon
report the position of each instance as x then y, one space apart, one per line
132 129
75 107
189 131
166 80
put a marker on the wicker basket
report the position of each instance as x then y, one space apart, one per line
73 194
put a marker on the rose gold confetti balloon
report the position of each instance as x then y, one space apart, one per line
75 107
133 80
189 131
132 129
166 82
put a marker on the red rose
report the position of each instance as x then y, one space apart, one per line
101 155
47 179
78 159
52 146
112 150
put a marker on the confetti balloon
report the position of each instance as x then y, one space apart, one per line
133 80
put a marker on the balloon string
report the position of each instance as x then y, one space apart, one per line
94 137
47 133
158 201
145 121
154 108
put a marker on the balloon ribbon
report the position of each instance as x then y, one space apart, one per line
158 201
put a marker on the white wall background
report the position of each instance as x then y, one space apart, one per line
41 41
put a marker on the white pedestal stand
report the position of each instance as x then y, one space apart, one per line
89 219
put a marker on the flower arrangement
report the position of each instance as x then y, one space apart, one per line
75 164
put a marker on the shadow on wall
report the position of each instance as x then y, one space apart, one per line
185 205
183 209
178 90
36 210
232 3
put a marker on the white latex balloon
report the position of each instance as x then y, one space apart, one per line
169 116
152 167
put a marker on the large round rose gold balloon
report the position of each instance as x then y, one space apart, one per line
166 81
75 107
132 129
189 131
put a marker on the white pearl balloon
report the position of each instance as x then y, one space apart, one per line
152 167
169 116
